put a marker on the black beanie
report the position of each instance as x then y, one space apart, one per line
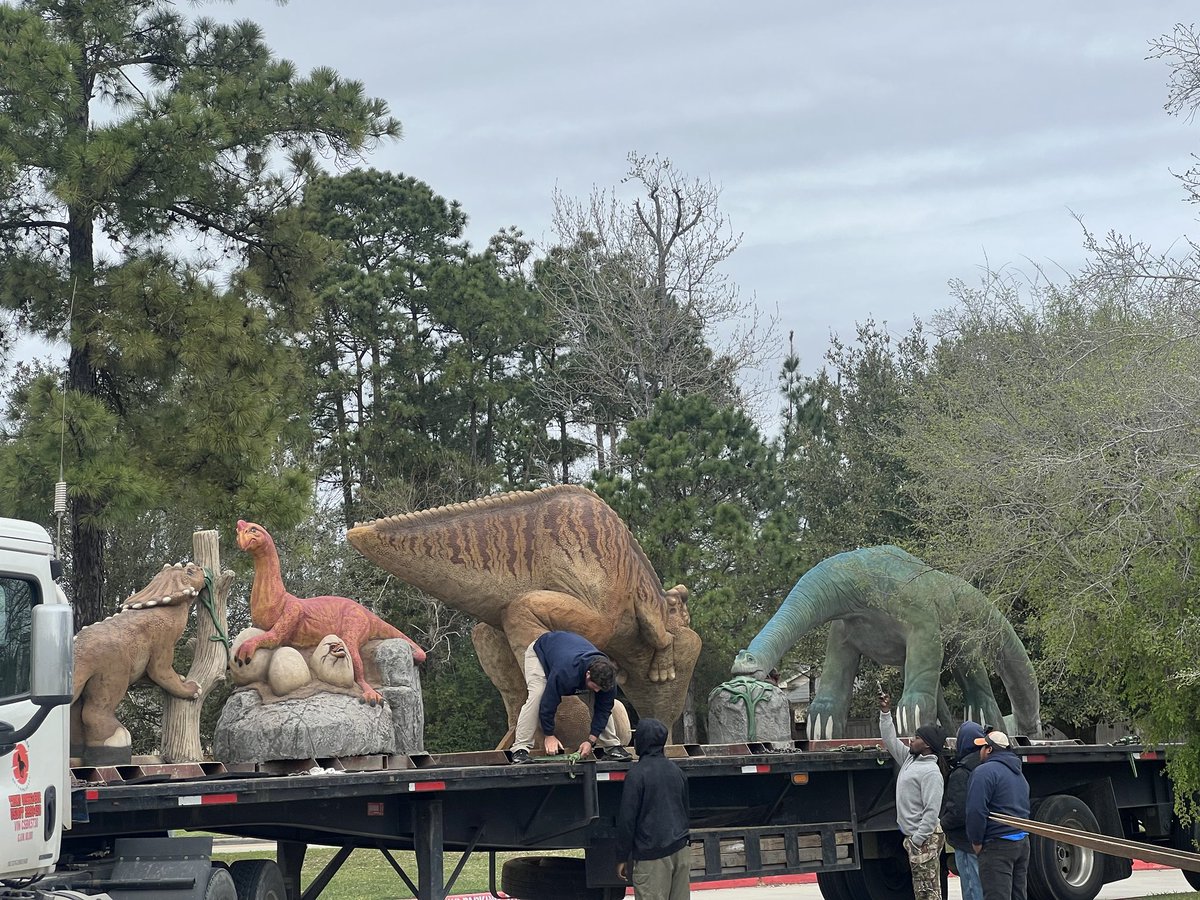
934 736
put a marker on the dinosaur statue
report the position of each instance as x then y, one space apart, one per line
528 562
891 607
138 642
291 621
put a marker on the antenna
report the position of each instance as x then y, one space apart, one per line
60 489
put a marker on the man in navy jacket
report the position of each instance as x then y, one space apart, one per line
997 786
558 664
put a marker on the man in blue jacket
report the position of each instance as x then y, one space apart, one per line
652 824
558 664
997 786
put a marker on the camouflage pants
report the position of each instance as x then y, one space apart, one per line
926 864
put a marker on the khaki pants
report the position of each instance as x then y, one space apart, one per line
662 879
926 864
527 721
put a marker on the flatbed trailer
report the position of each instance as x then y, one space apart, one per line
756 810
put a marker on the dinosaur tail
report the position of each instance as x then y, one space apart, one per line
384 630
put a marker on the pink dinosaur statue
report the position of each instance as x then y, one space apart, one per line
291 621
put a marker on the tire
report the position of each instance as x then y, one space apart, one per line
889 878
1186 838
833 886
258 879
220 885
1061 871
547 878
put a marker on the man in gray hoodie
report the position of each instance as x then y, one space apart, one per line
919 788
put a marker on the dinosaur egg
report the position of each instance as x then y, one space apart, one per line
287 672
257 668
331 663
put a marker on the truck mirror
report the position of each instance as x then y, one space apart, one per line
52 655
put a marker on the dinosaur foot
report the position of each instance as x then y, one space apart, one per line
914 710
370 696
662 666
825 719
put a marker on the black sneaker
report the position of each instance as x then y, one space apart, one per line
617 754
520 758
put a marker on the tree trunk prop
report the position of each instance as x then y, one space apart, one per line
181 718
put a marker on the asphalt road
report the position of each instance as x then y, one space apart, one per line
1144 883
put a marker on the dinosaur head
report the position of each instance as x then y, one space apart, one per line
746 663
252 538
175 585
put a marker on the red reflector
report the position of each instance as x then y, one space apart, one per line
1148 754
1035 757
374 809
610 776
213 799
427 786
755 770
91 795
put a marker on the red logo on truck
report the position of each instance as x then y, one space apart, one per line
20 764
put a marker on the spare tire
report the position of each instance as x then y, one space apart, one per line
548 878
1058 870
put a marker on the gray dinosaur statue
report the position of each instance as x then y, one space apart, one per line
891 607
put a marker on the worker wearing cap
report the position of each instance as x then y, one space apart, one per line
997 786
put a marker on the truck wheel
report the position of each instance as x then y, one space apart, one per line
833 886
547 878
1186 838
1061 871
220 885
258 879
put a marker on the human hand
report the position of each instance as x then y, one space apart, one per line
623 871
553 745
885 702
977 848
585 749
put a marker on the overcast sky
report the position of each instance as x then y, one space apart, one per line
869 152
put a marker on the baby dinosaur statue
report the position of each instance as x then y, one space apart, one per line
528 562
138 642
291 621
891 607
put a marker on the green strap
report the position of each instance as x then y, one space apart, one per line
210 603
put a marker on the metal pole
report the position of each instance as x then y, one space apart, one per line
430 875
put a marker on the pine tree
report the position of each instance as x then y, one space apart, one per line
137 146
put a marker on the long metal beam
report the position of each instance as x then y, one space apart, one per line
1102 843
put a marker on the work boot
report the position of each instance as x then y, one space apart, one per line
520 758
617 754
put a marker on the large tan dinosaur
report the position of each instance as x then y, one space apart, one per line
138 642
289 620
529 562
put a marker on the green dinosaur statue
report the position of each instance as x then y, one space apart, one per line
891 607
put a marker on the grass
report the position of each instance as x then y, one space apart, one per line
366 875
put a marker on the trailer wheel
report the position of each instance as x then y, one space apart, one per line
1186 838
1058 870
220 885
548 878
258 879
833 886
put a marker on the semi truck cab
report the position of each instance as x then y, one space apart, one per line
36 632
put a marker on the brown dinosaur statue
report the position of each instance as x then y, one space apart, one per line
291 621
528 562
138 642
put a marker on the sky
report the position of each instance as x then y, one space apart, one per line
868 152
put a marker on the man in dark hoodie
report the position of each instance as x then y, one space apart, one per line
558 664
954 810
997 786
652 825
